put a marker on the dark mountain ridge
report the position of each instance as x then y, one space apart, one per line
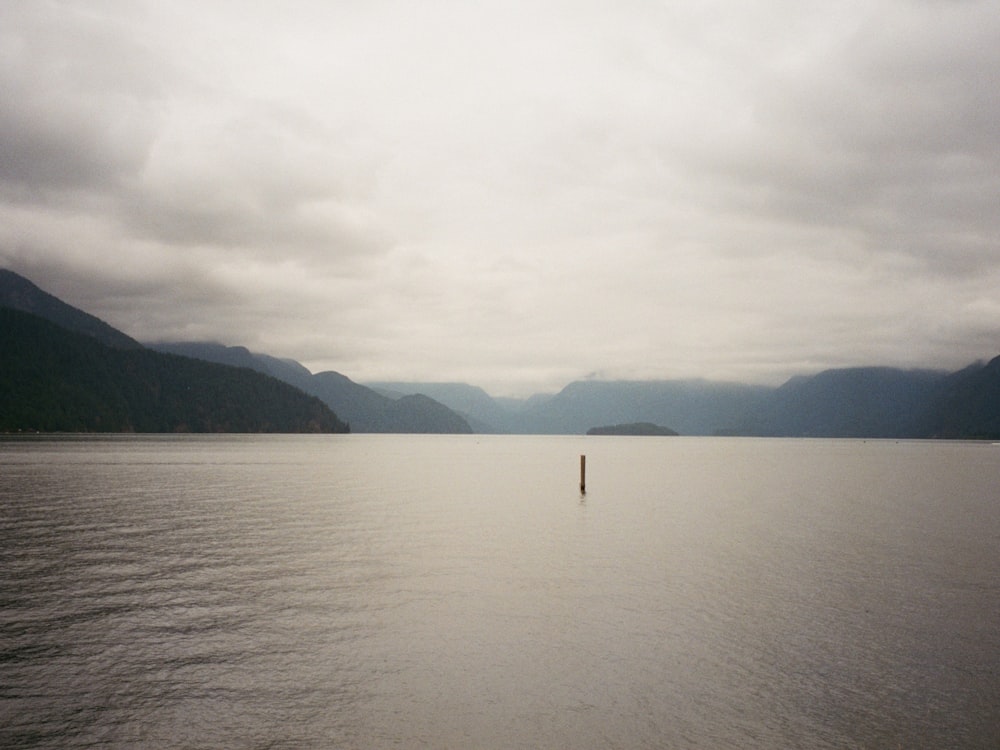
484 413
870 402
965 405
866 402
56 380
692 407
17 293
633 429
364 409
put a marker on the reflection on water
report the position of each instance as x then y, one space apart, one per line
400 591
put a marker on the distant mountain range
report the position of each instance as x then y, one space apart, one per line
17 293
53 379
113 383
633 429
865 402
364 409
861 402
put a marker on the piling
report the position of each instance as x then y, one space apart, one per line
583 473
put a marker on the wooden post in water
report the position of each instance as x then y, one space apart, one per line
583 473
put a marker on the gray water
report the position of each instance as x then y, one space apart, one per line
459 592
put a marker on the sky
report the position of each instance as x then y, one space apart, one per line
514 194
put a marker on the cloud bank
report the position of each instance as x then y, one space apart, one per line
514 194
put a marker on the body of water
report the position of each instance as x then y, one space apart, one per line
368 591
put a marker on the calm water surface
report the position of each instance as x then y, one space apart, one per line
459 592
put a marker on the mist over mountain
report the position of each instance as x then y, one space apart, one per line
965 405
18 293
63 370
869 402
56 380
483 412
364 409
689 407
866 402
633 429
238 356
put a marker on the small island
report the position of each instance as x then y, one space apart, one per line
632 428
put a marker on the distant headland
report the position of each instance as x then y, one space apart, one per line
633 428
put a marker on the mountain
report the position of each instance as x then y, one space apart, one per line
692 407
287 370
966 404
645 429
364 409
56 380
484 413
866 402
17 293
415 412
369 411
238 356
870 402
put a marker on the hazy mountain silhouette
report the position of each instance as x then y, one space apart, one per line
868 402
871 402
364 409
56 380
645 429
17 293
691 407
966 404
484 413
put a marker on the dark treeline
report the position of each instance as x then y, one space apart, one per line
647 429
73 372
55 380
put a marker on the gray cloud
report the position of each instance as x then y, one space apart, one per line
514 194
888 134
78 102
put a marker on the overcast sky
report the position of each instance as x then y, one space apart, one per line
514 194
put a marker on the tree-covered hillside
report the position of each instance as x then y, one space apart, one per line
21 294
633 429
55 380
967 405
365 409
